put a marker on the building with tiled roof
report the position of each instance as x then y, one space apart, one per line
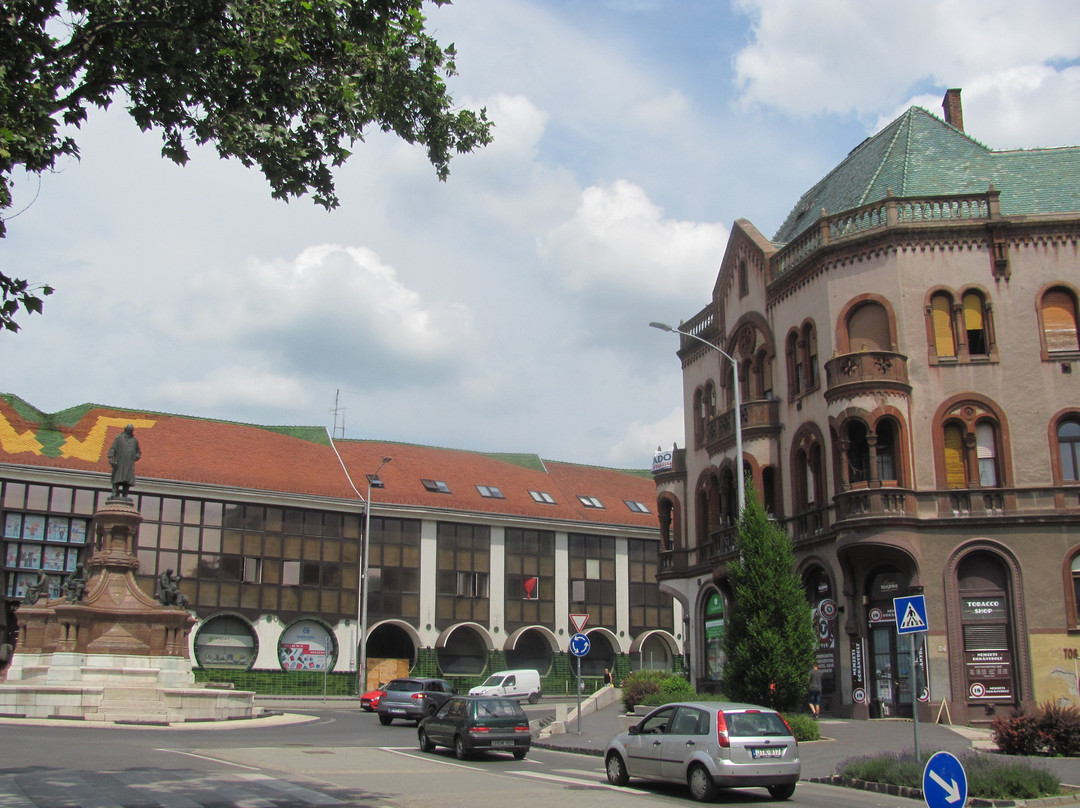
909 370
476 561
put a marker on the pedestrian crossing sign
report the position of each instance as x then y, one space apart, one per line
910 614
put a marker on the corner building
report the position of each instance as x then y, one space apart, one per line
476 561
908 360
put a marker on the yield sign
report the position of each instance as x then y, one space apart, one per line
579 621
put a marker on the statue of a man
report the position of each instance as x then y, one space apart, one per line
122 456
36 588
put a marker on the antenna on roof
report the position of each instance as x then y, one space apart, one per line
335 411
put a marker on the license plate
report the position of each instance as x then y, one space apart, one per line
766 752
502 743
397 709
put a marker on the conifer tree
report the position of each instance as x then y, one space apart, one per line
770 641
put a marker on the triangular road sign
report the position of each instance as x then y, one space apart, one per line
579 621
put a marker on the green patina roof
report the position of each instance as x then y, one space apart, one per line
920 155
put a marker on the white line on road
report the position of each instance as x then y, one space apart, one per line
211 759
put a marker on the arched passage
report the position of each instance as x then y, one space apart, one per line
530 648
463 650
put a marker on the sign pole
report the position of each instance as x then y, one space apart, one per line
915 698
579 695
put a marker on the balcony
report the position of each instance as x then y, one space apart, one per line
760 417
700 559
865 371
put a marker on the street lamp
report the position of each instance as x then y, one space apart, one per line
361 670
740 482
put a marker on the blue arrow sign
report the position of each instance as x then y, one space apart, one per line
944 782
910 614
580 645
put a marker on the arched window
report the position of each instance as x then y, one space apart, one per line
974 324
868 328
1068 437
744 285
796 372
699 416
769 489
887 467
1059 322
1076 587
858 452
809 345
955 456
941 320
986 449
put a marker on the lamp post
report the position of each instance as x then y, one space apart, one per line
361 669
740 481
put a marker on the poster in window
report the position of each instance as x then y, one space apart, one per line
54 558
30 556
22 580
34 527
11 555
58 529
72 559
56 586
13 526
77 534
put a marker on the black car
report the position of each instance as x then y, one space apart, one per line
470 724
413 698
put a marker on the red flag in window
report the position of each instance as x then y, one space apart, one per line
532 588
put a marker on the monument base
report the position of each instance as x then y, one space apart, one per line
116 688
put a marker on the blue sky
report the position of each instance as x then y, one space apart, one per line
506 309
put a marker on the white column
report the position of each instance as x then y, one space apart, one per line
429 582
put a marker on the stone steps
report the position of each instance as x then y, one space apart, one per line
131 705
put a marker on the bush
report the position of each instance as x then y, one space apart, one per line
988 777
803 726
1049 730
640 685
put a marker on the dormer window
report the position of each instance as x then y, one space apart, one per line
490 492
436 486
590 502
542 497
637 507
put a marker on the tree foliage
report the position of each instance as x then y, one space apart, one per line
769 637
284 85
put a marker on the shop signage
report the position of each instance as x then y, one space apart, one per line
858 672
662 461
983 609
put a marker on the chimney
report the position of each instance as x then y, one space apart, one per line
954 110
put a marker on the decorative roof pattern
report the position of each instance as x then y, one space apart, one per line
919 155
304 461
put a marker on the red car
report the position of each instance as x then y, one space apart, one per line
370 700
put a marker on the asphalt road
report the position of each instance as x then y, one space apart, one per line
333 757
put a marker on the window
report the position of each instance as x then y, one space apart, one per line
252 570
974 325
490 492
986 447
955 473
374 481
809 344
971 452
469 585
436 486
743 279
941 321
795 367
868 329
590 502
1068 436
1059 320
543 497
290 573
637 507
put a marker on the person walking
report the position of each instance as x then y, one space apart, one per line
815 691
607 678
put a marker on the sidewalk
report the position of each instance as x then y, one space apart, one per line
841 739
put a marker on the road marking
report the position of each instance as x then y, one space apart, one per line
577 781
210 758
414 754
11 796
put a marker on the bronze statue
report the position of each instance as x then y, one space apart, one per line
169 593
36 588
75 585
122 456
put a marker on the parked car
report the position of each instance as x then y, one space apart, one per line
370 700
521 684
412 698
708 745
469 724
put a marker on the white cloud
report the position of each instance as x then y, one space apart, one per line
618 240
641 439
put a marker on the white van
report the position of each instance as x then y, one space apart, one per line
524 684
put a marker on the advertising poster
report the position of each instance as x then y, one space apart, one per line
305 646
34 527
13 526
30 556
78 531
714 636
58 529
11 555
858 671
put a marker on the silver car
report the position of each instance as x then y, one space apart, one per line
708 746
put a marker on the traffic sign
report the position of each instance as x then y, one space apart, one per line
580 645
910 614
579 621
944 782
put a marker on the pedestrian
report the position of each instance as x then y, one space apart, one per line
607 678
815 691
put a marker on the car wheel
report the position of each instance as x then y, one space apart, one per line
459 748
702 787
425 743
616 770
385 719
533 698
782 792
520 753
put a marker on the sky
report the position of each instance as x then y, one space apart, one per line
507 309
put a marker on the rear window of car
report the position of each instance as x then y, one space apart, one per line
498 708
742 725
402 685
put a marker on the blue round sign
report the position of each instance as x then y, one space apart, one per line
944 782
579 645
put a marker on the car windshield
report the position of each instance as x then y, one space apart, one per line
754 724
403 686
497 708
493 681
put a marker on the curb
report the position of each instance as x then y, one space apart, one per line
917 794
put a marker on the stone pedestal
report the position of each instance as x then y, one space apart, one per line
115 655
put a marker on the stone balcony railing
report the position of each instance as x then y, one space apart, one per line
760 415
872 370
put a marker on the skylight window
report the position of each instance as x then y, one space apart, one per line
490 492
590 502
637 507
543 497
436 486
